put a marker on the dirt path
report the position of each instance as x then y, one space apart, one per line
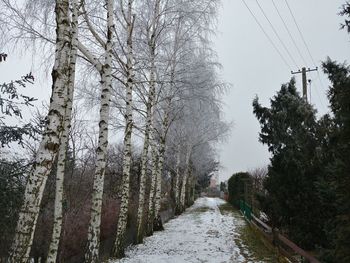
202 234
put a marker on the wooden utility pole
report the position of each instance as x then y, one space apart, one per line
303 71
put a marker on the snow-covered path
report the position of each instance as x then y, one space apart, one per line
201 234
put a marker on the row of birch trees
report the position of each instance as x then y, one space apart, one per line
149 71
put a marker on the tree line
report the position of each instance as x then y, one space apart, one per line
145 71
305 190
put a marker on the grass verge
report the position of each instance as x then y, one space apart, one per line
249 241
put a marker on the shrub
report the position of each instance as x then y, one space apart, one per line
240 188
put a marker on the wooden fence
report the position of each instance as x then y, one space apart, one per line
284 246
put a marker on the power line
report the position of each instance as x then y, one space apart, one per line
322 84
276 33
291 37
289 33
302 36
308 51
268 37
319 78
319 96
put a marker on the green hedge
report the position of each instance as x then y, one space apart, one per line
240 188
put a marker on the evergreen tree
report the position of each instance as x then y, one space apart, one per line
289 130
324 185
12 178
11 101
345 11
339 164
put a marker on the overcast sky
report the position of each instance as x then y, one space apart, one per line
253 67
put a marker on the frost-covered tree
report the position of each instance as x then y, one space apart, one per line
105 71
149 68
62 153
50 142
152 33
129 17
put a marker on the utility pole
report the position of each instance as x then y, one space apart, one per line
303 72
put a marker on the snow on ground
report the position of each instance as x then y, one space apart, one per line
201 234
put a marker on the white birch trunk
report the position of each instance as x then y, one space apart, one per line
118 250
144 159
152 190
49 145
149 118
184 179
61 162
160 166
190 188
158 195
92 253
157 221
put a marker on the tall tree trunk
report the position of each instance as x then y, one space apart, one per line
61 162
158 195
144 159
92 253
193 189
118 250
141 203
177 180
184 179
157 221
189 189
150 105
150 215
49 145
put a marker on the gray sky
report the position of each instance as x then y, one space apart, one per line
252 66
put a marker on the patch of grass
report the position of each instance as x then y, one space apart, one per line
252 241
228 209
249 242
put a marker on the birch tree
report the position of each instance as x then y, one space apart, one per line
201 129
153 186
92 254
177 180
182 35
185 177
169 62
200 121
118 250
155 219
152 35
61 162
50 142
